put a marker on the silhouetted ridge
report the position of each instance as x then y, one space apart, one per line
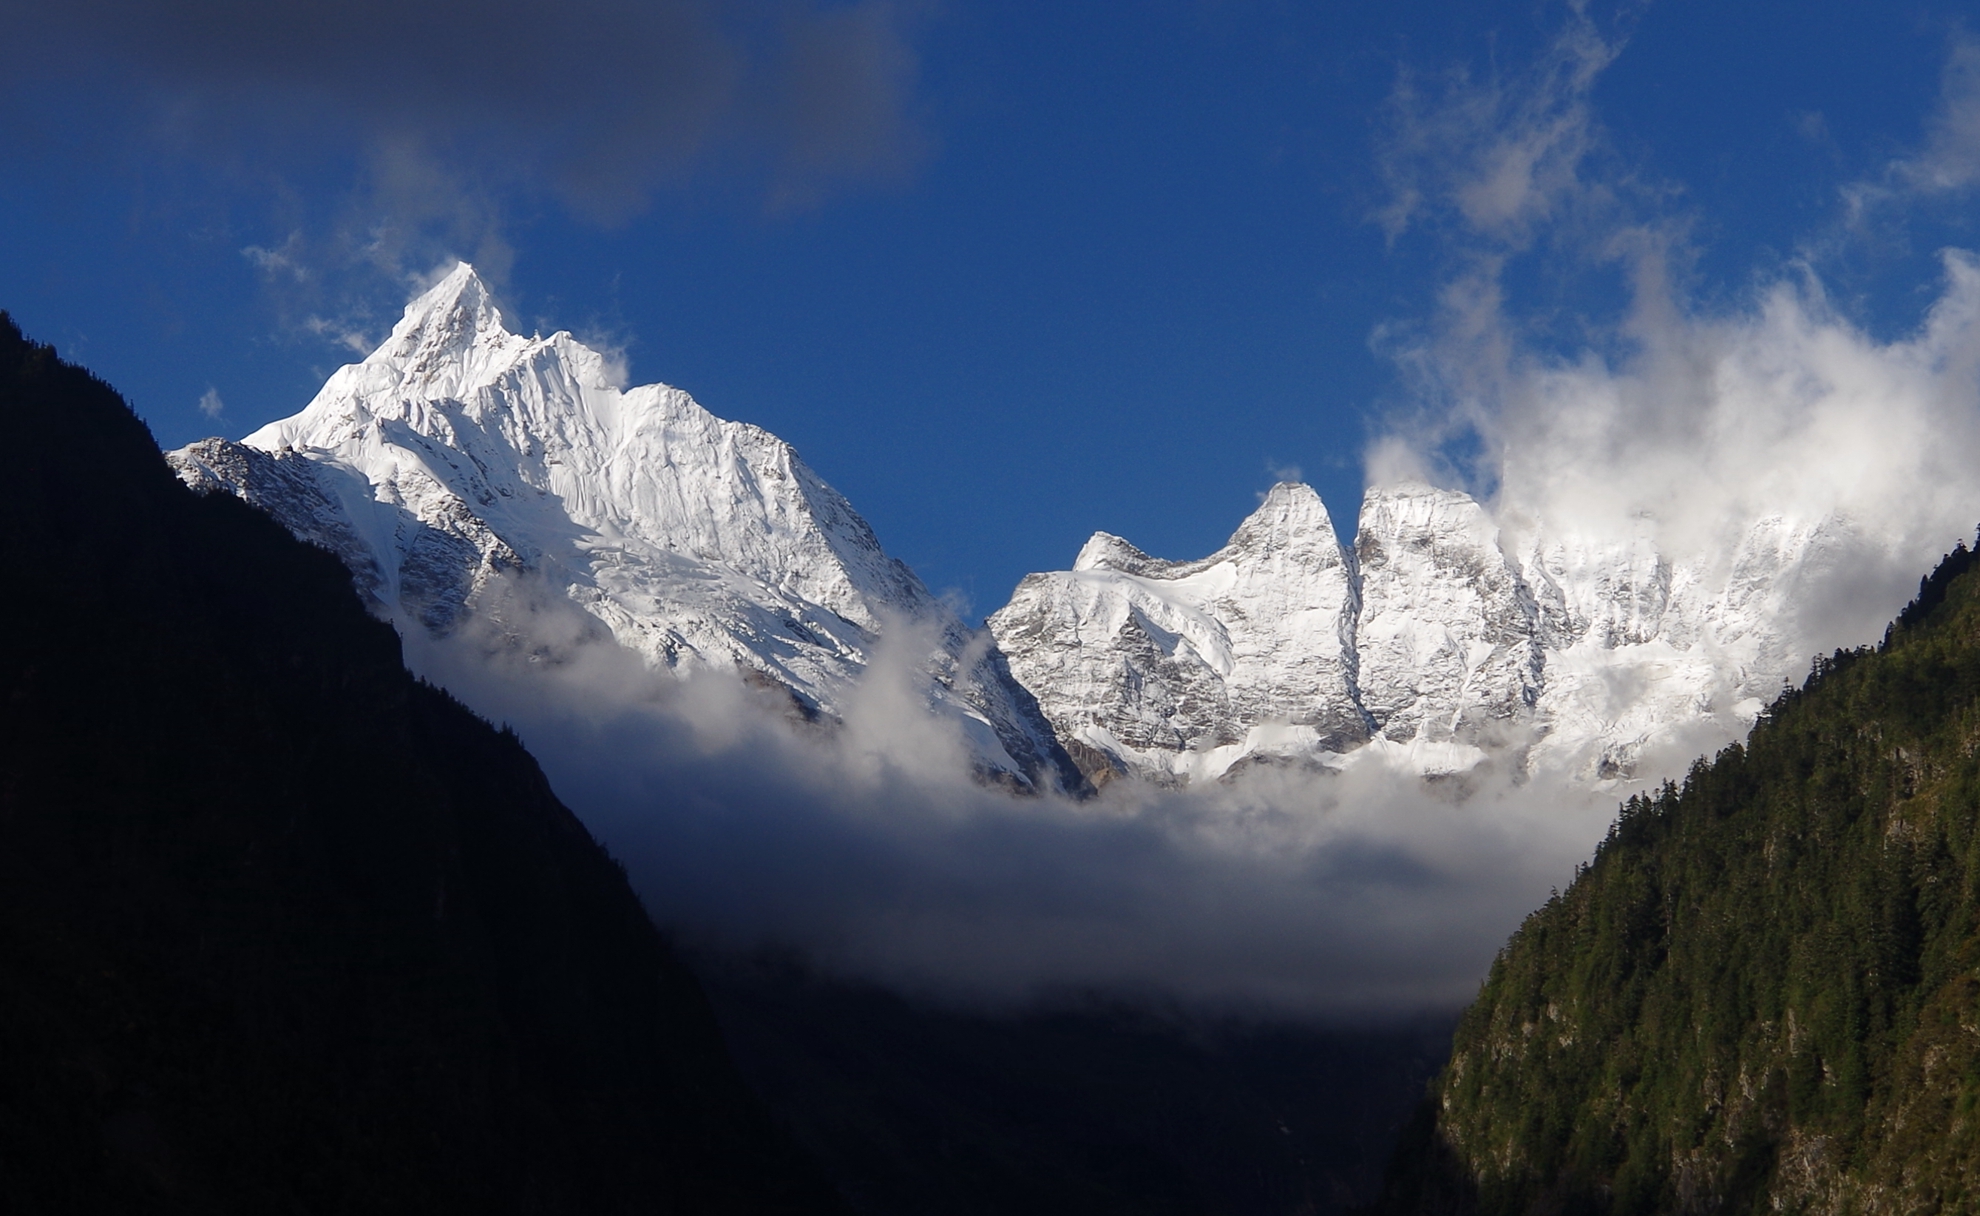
283 929
1932 588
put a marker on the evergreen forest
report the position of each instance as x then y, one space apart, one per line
1763 992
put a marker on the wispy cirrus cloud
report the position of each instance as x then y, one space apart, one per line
1500 156
1947 161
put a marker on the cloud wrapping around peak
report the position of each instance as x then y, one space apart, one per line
1615 407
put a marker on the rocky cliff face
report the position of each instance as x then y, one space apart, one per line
1445 634
1175 670
1433 642
459 453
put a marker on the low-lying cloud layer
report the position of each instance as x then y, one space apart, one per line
1370 889
869 847
1361 892
1366 891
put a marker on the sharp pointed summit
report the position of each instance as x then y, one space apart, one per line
459 462
449 336
1177 671
458 302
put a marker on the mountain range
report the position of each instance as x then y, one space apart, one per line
459 462
284 926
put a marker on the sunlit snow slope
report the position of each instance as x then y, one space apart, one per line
1432 642
461 465
459 452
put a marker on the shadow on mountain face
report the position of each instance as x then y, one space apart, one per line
1090 1107
283 929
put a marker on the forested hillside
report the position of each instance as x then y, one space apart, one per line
1763 994
283 929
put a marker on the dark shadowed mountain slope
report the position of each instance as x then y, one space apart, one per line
1764 992
282 929
1083 1108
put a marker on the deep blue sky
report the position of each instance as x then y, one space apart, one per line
1094 266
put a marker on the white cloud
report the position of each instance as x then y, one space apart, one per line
280 261
1946 164
867 847
210 405
345 333
1695 424
1950 159
1503 156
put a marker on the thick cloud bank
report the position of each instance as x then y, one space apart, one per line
1709 426
868 845
1567 376
1787 411
355 145
1337 893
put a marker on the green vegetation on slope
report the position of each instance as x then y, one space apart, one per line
1763 994
283 929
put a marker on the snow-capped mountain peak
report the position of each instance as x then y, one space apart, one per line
459 457
1177 670
1427 638
451 338
458 454
1105 551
